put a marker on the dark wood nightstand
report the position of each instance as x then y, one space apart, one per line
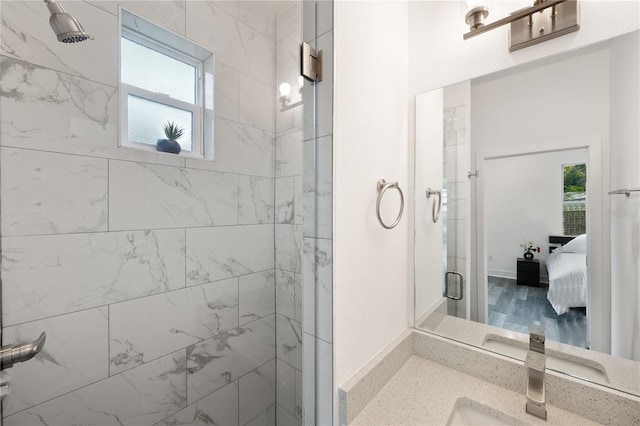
529 272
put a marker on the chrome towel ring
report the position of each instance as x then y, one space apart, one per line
382 186
436 208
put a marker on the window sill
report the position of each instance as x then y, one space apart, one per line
152 150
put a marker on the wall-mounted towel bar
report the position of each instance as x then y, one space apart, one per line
382 186
625 191
437 206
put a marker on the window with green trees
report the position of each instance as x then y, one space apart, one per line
574 210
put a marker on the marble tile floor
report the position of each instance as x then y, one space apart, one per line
514 307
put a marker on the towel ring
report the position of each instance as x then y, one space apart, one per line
436 208
382 186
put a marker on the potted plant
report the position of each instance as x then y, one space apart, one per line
173 132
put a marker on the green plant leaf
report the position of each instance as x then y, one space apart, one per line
173 131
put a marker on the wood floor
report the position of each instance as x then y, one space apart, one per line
514 307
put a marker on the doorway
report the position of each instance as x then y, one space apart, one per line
534 273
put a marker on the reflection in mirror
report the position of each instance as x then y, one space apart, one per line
543 282
525 159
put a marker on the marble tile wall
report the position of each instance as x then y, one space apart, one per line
153 275
288 221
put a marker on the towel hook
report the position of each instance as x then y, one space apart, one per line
436 208
382 186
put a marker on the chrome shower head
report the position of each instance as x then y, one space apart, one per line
66 27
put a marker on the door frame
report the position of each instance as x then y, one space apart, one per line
598 236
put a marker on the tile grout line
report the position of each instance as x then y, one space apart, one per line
108 193
154 162
140 298
153 229
260 413
87 385
186 381
109 340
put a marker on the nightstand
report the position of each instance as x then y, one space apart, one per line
529 272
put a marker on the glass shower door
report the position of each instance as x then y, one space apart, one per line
455 183
441 218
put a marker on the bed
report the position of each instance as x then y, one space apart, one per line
567 267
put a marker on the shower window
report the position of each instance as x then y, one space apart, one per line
164 78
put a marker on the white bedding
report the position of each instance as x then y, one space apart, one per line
567 280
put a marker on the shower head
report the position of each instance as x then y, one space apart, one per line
66 27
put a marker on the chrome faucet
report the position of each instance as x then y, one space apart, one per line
535 363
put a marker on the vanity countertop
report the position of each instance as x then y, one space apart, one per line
423 392
620 373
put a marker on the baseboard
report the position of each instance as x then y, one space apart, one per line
501 273
360 389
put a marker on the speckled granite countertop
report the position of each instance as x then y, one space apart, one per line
620 373
423 392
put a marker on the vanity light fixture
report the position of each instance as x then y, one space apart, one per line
478 11
545 20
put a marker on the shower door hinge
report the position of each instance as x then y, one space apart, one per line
474 174
310 63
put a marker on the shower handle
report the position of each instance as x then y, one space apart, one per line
13 354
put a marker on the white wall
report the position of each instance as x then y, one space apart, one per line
534 105
625 211
370 131
524 203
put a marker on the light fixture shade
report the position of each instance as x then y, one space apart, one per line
473 3
475 16
285 89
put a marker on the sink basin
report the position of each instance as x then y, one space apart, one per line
467 412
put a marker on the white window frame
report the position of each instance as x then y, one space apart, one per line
199 148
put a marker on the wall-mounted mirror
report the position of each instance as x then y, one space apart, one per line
528 232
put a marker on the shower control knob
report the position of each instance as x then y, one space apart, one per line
13 354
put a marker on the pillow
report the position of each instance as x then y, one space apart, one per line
554 257
577 245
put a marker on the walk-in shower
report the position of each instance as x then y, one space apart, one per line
172 289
